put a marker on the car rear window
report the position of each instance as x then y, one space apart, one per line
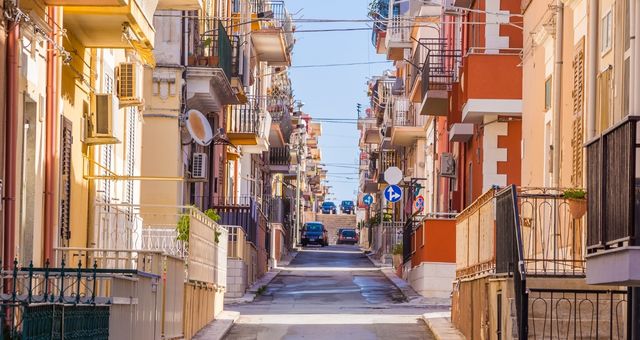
314 227
348 233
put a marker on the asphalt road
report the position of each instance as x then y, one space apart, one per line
329 293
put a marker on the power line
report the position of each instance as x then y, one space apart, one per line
342 64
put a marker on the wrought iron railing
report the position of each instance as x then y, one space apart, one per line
440 68
577 314
613 187
245 118
280 156
213 47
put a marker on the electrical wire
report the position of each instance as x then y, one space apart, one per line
342 64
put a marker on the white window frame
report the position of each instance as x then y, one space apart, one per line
606 32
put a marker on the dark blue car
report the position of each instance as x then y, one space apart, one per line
314 233
347 207
329 208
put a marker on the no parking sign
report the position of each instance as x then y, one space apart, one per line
419 203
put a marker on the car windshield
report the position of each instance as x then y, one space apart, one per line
347 203
327 204
314 227
348 233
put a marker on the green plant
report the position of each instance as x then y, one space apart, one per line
576 194
397 249
212 214
183 228
387 217
261 290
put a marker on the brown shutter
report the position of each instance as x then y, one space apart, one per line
604 98
65 180
577 138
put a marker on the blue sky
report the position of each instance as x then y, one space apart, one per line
333 92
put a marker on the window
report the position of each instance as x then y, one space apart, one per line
605 33
547 94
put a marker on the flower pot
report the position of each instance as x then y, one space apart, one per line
577 207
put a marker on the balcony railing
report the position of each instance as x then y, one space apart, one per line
245 118
440 67
399 30
280 156
213 47
613 187
403 113
279 17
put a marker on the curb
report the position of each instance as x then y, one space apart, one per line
219 327
441 327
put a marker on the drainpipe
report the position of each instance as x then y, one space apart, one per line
91 153
557 92
592 67
11 144
50 147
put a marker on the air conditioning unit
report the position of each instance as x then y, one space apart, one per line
199 165
447 165
105 124
451 9
129 84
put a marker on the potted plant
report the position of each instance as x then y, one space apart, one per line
397 255
577 202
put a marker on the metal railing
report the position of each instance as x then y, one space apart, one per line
390 235
613 187
280 156
440 68
212 46
245 118
577 314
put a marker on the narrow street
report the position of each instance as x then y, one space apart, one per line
329 293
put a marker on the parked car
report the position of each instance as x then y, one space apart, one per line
314 233
347 207
347 236
329 208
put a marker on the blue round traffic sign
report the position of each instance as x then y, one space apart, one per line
367 199
419 203
393 193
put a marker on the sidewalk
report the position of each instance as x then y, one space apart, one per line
252 291
441 327
219 327
412 297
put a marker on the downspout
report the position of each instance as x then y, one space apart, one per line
91 152
11 144
592 67
50 148
557 92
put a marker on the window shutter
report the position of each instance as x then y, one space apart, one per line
577 138
65 180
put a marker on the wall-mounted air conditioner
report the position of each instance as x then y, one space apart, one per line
129 84
199 165
447 165
105 124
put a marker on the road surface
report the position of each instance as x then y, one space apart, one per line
329 293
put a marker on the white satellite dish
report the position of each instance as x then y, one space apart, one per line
199 127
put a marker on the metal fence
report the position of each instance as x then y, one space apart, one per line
613 187
245 118
577 314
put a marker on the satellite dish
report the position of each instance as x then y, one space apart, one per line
199 128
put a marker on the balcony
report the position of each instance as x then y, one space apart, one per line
111 24
249 125
280 160
273 39
281 122
211 64
406 125
183 5
243 211
491 84
398 37
379 13
439 73
613 187
461 132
